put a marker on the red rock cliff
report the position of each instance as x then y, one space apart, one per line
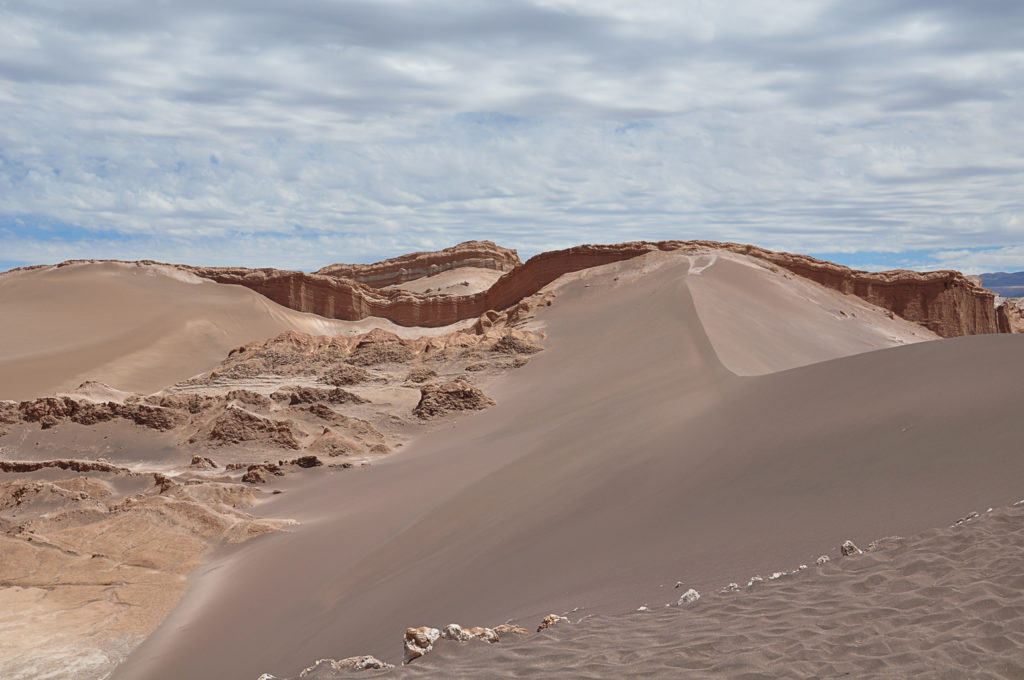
484 254
339 298
945 302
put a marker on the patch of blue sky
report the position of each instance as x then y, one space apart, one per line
43 229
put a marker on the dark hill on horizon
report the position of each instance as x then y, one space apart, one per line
1007 284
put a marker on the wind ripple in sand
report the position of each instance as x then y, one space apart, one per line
948 603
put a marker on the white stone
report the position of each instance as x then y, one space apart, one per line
689 597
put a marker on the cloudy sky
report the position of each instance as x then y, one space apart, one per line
877 133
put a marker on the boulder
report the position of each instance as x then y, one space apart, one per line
848 548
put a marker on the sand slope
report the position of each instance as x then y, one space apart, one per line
942 604
623 458
134 327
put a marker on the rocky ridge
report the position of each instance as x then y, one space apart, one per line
945 302
481 254
1010 315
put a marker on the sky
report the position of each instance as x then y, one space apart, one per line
875 133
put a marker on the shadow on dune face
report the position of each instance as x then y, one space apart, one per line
622 458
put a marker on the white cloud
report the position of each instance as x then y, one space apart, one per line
299 134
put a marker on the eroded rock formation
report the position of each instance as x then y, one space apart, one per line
437 401
945 302
482 254
1010 316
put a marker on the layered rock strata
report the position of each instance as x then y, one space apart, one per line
1010 316
945 302
481 254
339 298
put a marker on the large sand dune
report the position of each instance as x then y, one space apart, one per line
623 458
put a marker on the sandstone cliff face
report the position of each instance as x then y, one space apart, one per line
1010 316
483 254
945 302
338 298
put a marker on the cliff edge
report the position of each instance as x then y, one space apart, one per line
945 302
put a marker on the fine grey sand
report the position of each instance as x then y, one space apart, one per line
624 457
942 604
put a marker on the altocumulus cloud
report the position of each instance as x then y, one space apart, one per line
296 134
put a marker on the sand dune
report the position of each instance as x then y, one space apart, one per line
134 327
623 458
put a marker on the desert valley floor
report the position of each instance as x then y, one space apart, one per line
225 473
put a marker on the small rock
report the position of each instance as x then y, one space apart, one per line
730 588
754 579
550 620
454 631
362 663
689 597
202 462
776 575
419 641
642 608
824 559
679 584
848 548
510 629
352 663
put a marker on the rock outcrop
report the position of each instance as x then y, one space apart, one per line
437 401
1010 316
481 254
341 298
419 641
49 411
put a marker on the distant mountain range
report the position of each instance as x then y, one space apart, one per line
1007 285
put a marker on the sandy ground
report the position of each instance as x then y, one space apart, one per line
943 604
135 328
625 457
459 281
